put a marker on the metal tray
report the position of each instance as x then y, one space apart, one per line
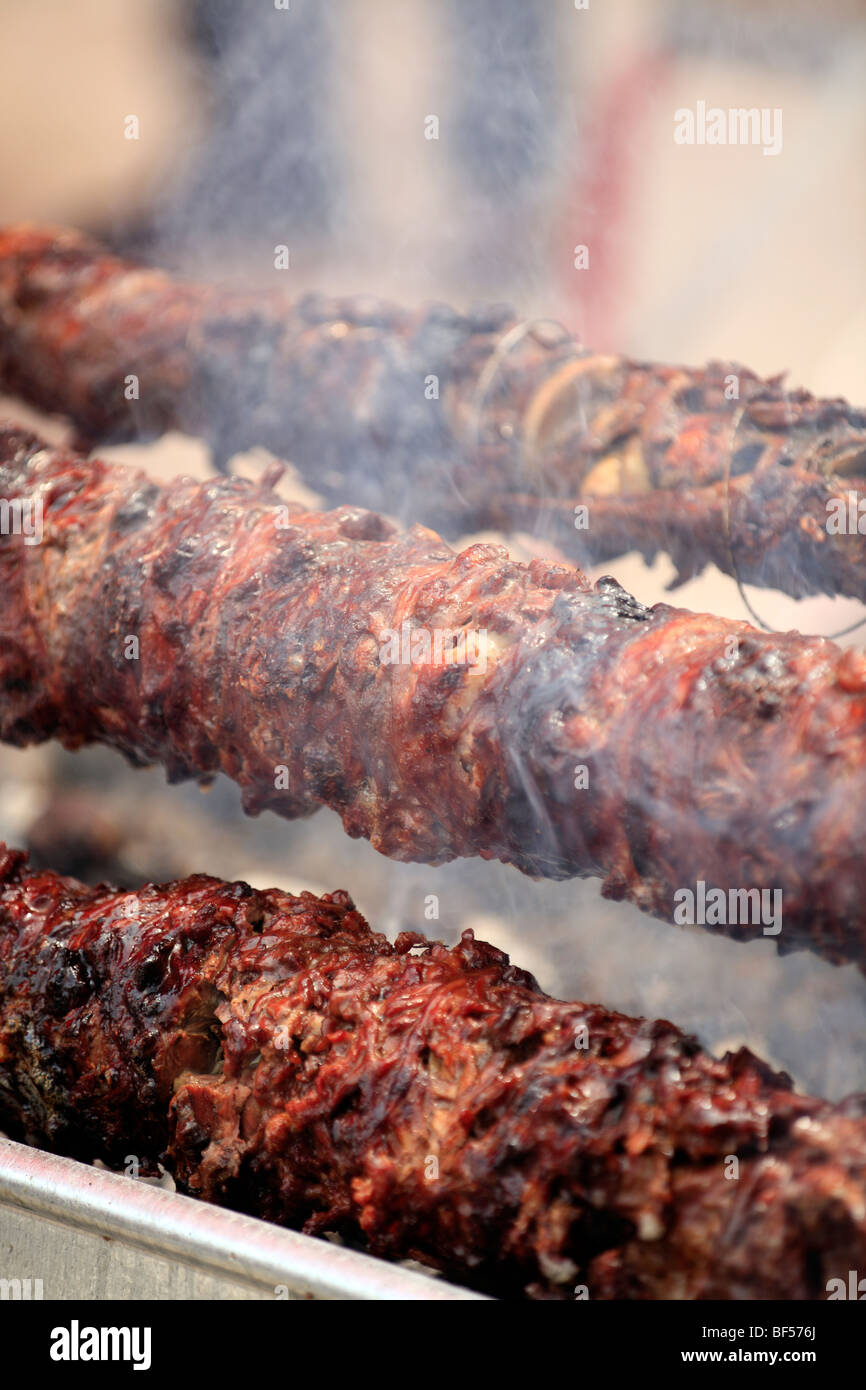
70 1231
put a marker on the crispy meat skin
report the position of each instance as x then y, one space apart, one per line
714 752
526 424
290 1062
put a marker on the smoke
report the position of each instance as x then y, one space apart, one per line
315 139
268 164
317 135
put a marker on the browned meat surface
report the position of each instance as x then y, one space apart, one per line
579 733
419 1100
708 465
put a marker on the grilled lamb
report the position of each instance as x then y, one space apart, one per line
443 704
419 1100
459 421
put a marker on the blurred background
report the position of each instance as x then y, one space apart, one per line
460 150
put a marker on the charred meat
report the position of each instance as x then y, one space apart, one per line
419 1100
443 704
459 421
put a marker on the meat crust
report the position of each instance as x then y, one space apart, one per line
710 465
422 1101
211 629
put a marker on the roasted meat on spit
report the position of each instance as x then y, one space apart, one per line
282 1058
458 421
443 704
